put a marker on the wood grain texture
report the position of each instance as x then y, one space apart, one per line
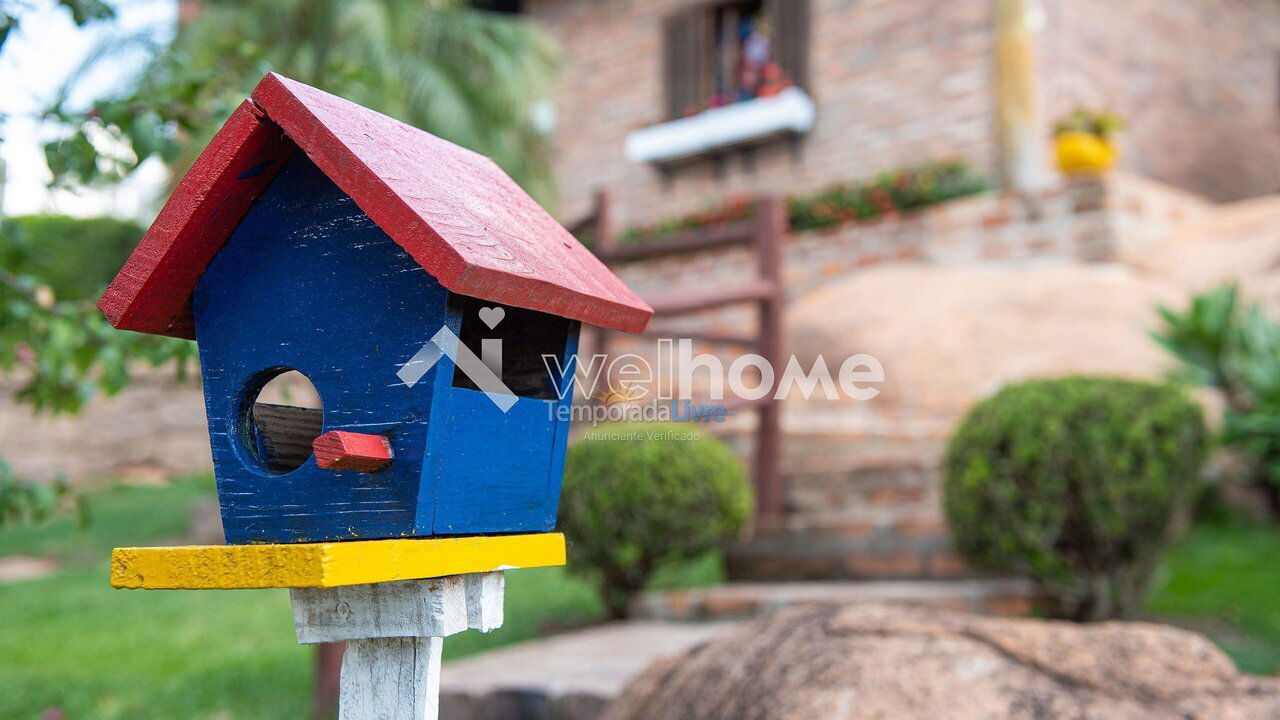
456 213
343 450
391 679
485 595
436 607
152 291
326 565
283 434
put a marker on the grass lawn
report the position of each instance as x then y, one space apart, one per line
1223 580
70 641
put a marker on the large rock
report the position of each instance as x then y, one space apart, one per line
1233 243
873 661
948 336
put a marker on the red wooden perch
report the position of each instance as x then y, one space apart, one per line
341 450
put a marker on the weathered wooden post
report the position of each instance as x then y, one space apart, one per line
435 308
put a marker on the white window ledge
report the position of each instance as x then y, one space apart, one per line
789 112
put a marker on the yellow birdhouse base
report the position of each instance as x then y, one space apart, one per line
331 564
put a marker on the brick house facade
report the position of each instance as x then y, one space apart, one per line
897 82
901 82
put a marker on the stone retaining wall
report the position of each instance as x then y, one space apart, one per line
153 429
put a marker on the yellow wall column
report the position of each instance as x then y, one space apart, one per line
1022 147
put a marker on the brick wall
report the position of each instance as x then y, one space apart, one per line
1198 81
895 81
903 81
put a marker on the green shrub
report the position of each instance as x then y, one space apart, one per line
640 495
24 501
75 257
1077 482
52 338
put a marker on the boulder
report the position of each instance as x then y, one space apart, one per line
1236 242
948 336
861 662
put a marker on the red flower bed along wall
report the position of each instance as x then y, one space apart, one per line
891 191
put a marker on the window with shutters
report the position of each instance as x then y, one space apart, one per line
734 74
723 53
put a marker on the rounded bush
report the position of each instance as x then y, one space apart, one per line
637 495
1077 482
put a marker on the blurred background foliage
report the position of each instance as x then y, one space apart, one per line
26 502
1225 342
475 78
889 191
466 75
469 76
82 12
54 343
74 257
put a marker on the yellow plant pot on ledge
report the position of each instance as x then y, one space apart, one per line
1083 153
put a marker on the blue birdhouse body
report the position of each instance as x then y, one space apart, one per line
290 291
423 308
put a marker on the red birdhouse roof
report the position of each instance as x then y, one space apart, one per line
454 211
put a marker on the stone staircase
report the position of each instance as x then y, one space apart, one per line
1010 597
857 509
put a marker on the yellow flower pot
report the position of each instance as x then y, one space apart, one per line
1082 153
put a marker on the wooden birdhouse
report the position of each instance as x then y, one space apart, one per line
430 302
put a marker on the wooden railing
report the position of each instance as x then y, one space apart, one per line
766 232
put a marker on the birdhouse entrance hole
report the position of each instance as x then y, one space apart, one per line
280 417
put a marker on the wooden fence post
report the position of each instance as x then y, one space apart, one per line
771 219
767 231
324 700
606 243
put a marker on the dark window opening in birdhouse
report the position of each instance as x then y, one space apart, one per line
280 419
515 343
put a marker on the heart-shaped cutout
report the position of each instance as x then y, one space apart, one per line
491 316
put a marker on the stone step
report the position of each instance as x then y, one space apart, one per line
565 677
735 601
907 547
